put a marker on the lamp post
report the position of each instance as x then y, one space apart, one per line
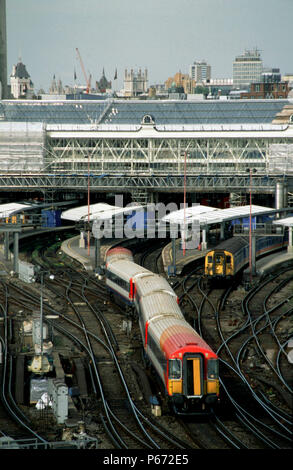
251 170
88 206
184 239
51 276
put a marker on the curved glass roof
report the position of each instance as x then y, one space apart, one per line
132 112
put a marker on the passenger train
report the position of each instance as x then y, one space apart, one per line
186 365
227 259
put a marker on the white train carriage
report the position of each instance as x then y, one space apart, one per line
119 279
149 282
185 363
120 271
114 254
154 305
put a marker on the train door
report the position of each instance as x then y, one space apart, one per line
219 263
193 375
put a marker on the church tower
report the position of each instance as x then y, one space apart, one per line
21 84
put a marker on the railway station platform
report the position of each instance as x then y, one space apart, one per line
72 248
271 262
181 260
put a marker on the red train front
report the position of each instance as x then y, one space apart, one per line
190 368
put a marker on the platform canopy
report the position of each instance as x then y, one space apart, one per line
190 213
11 208
100 211
288 222
211 215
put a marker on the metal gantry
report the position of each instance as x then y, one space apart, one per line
57 144
166 155
153 183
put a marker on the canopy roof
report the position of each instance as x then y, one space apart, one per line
211 215
100 211
288 222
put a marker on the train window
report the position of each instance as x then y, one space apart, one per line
213 369
174 369
228 259
210 259
120 282
152 345
218 259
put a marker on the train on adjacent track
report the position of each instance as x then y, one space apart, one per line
228 258
185 363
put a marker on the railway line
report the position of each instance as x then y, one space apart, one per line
226 318
82 296
266 422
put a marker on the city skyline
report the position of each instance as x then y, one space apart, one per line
154 35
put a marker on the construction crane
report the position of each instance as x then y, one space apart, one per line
87 80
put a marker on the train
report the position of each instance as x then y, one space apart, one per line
186 365
226 260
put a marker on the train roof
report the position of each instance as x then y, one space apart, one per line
175 335
149 284
126 269
232 244
114 254
159 303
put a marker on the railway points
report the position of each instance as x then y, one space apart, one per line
146 162
96 344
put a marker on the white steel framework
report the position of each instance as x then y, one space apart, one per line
148 150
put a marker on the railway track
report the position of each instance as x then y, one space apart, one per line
263 424
126 422
83 308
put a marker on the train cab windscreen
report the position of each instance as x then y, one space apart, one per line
219 263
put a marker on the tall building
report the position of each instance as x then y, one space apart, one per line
200 72
180 80
135 84
247 68
3 51
20 81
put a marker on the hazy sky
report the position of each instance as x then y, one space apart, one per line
164 36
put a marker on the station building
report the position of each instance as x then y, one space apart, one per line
146 147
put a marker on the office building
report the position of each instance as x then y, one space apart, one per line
247 68
200 72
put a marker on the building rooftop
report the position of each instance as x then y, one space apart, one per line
131 112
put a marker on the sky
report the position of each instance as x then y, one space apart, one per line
164 36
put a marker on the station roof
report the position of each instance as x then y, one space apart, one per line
204 214
211 215
131 112
288 222
100 211
11 208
